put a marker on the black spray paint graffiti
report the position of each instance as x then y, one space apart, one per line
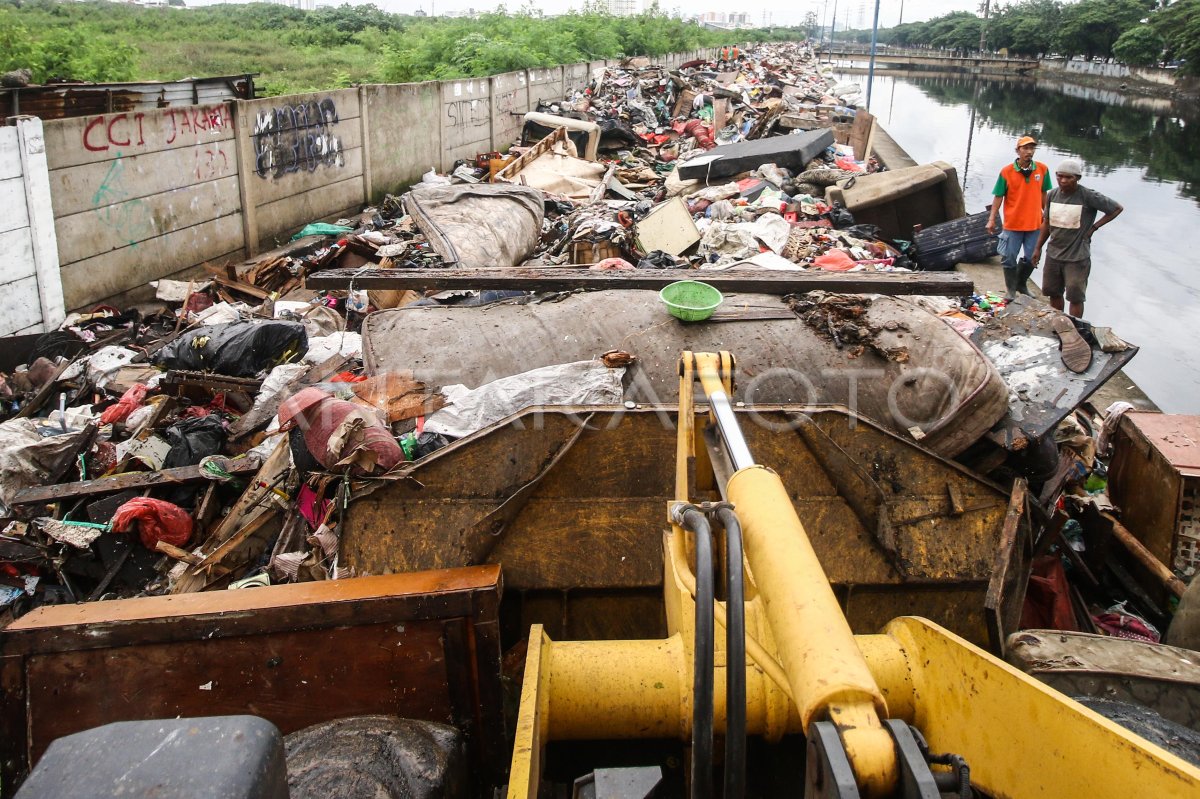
290 138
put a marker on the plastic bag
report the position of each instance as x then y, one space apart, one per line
657 259
321 229
864 232
193 440
840 216
611 265
237 349
129 402
157 521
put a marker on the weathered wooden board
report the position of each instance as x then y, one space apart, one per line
421 645
552 279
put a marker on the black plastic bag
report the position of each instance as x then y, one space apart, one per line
192 440
238 349
865 232
428 443
657 259
840 216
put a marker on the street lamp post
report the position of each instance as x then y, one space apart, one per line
874 43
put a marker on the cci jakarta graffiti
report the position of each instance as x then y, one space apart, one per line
287 138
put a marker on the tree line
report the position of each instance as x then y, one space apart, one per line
298 51
1135 32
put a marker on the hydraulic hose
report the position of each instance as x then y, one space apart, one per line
735 657
690 518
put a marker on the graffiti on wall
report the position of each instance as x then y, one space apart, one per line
164 128
291 138
124 214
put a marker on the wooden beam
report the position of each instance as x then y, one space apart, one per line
121 482
951 284
1145 557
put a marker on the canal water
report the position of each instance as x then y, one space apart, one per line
1145 281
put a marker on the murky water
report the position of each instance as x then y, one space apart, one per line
1145 280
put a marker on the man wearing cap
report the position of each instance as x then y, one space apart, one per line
1022 185
1066 234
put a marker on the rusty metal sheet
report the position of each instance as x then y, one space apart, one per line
573 501
1175 436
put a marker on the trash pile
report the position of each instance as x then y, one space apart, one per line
215 438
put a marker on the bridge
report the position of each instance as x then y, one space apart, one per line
892 57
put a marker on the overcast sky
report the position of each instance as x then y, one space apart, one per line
857 12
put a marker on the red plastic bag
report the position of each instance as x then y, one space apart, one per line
129 402
835 261
157 521
611 265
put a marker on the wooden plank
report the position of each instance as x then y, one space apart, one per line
949 284
1143 556
266 652
222 614
121 482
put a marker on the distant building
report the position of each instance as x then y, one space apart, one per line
621 8
302 5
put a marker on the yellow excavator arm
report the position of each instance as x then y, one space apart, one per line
913 711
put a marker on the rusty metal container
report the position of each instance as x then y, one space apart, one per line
572 503
1154 479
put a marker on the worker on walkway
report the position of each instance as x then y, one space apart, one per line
1067 228
1021 188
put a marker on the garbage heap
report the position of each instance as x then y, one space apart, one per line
215 437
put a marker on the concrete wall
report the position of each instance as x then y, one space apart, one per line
401 147
510 102
302 159
29 276
1164 77
142 195
145 195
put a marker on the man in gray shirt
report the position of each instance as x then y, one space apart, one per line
1067 228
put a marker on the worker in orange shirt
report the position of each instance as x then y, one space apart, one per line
1021 189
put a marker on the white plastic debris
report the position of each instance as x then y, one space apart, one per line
578 383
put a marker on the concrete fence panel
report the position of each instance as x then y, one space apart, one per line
140 196
466 119
545 84
31 298
302 159
402 137
510 102
575 78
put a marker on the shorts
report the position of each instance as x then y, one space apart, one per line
1067 278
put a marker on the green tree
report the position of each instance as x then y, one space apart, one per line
1140 46
1091 27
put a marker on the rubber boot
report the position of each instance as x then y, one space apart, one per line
1024 271
1010 283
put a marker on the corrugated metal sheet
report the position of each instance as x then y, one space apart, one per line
59 101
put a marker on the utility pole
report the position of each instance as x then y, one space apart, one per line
901 22
987 5
874 42
833 24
